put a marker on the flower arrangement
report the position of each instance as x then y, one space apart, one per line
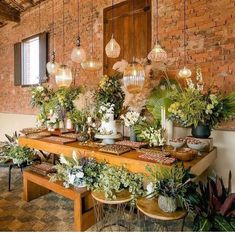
110 91
79 172
150 132
193 106
17 153
131 118
105 109
174 183
41 95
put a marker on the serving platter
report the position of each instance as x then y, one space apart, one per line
115 149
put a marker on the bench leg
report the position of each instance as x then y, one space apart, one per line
78 214
33 191
9 178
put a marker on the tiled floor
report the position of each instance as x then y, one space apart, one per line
48 213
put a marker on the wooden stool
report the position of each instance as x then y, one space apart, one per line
103 210
150 208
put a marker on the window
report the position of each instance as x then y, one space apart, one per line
30 61
30 58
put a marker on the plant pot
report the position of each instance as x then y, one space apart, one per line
167 204
133 137
69 124
201 131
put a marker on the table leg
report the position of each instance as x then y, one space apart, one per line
78 214
9 178
182 228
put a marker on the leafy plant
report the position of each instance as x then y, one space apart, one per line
160 96
78 118
150 132
216 209
110 91
115 179
13 151
174 182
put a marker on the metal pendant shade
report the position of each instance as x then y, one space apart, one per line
157 54
78 53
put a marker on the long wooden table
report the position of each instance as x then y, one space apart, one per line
129 159
36 185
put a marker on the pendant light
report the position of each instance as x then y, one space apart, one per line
134 75
112 49
78 53
185 72
52 66
92 64
63 76
157 54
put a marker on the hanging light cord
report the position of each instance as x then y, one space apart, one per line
63 32
185 32
39 16
92 31
78 37
156 21
133 25
112 17
53 29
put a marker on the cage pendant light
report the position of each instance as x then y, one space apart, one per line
157 54
78 53
52 66
63 76
112 49
185 72
134 74
92 64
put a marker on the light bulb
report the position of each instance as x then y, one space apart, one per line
78 54
52 66
112 49
157 54
64 76
91 64
133 78
185 73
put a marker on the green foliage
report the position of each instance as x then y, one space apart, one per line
150 132
160 96
77 117
190 107
174 182
110 91
115 179
215 210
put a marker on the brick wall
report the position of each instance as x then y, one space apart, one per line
211 33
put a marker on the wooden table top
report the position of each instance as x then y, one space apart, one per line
150 208
121 197
130 159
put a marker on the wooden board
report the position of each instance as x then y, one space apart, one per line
130 159
59 140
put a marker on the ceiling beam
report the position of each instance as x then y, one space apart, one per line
8 13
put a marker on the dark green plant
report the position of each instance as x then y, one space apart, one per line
110 91
78 118
216 209
175 182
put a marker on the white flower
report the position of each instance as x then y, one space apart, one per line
63 160
149 188
40 88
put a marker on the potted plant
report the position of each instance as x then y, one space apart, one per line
131 119
19 155
173 187
216 209
201 110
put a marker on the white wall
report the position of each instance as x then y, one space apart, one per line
223 140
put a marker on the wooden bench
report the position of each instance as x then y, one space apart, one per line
36 185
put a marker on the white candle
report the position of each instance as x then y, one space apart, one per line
163 117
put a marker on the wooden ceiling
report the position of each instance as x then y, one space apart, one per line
10 10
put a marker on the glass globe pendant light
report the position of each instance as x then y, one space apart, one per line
63 76
157 54
185 72
52 66
112 49
92 64
78 53
133 77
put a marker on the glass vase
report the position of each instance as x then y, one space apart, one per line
132 134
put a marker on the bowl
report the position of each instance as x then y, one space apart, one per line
197 146
177 143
